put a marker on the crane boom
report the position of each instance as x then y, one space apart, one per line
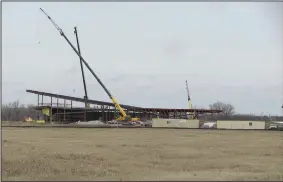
81 62
192 115
124 115
189 98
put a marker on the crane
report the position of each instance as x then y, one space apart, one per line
124 116
189 98
81 63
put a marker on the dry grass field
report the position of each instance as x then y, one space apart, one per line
140 154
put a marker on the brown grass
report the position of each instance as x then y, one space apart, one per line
140 154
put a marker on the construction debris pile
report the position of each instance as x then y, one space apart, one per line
90 123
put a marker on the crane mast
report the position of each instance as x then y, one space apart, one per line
189 100
81 63
124 116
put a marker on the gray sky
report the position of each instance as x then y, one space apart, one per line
144 52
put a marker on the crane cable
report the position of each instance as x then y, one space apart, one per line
61 32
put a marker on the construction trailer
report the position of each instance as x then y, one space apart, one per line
175 123
56 111
241 125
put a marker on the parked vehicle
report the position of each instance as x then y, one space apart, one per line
273 127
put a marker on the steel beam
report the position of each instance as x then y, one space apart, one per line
78 99
127 107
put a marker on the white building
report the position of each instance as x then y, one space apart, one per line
252 125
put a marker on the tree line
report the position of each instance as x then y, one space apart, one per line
14 111
228 113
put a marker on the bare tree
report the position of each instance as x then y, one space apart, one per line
15 111
227 109
6 112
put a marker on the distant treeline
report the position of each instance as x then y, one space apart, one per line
230 114
15 111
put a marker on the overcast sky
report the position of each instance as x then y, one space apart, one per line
144 52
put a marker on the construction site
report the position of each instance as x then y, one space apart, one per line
60 108
70 142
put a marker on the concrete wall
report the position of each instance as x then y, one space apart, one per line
221 124
175 123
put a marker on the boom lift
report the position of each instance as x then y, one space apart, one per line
124 116
81 63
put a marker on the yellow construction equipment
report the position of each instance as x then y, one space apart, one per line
124 116
46 111
28 119
40 121
189 100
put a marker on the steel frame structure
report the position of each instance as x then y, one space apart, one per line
106 111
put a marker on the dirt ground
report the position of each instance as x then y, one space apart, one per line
140 154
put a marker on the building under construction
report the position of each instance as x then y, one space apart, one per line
54 110
60 108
